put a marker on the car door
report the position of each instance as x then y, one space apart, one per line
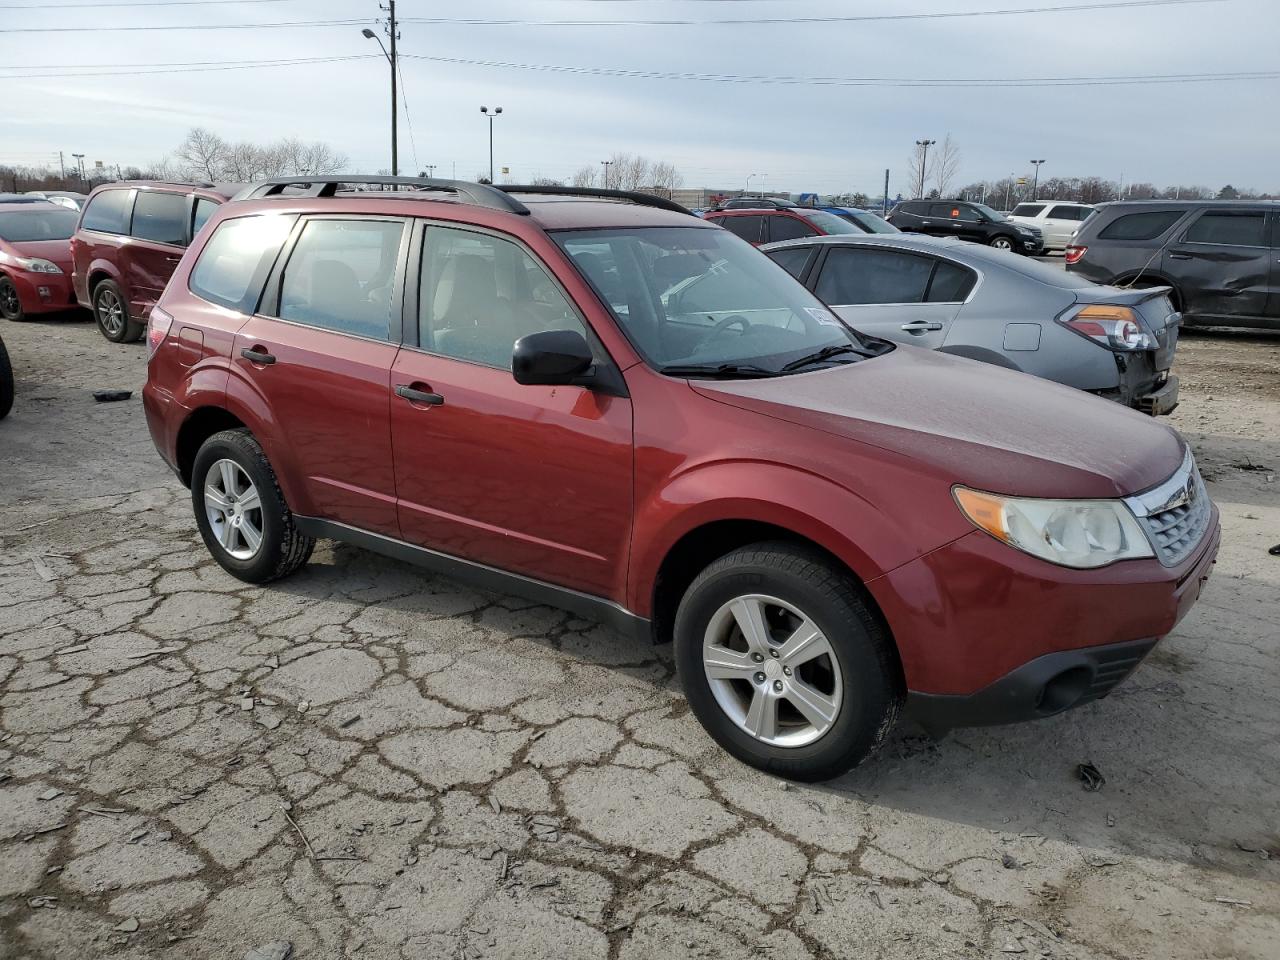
1222 263
885 292
318 355
785 226
748 226
967 223
1060 222
530 479
158 236
1273 298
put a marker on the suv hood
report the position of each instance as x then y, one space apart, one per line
973 423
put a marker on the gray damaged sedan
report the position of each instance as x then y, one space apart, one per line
1004 309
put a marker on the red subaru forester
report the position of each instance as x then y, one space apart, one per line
596 400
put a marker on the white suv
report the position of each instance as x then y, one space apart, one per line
1057 221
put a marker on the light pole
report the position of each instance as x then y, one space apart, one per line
391 59
1035 183
747 187
606 164
924 146
496 111
80 164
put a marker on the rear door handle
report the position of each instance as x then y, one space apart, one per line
920 326
258 355
418 396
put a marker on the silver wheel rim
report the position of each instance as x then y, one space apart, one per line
1002 244
110 312
234 509
772 671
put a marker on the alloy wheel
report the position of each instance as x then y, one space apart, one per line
1000 243
772 670
111 312
234 509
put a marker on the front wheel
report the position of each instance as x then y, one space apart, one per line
10 304
111 312
6 382
1001 243
784 663
241 512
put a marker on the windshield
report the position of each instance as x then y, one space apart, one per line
869 222
41 224
989 213
697 297
829 223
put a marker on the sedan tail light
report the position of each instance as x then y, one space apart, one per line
157 329
1116 328
1075 253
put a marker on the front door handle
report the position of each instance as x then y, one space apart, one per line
418 396
1179 256
921 326
258 355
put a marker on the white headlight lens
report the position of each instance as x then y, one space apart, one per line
36 265
1072 533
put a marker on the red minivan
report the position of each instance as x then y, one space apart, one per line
129 240
593 399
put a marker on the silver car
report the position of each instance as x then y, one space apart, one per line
998 307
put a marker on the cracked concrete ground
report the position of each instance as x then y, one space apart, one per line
367 761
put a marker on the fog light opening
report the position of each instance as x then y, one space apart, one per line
1064 690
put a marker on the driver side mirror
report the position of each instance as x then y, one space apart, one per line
551 358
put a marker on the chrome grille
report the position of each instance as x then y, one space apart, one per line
1175 514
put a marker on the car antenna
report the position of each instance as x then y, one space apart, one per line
1159 250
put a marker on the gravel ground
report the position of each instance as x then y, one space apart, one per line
366 761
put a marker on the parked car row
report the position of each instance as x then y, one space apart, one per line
831 526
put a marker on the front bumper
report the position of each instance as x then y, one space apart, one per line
1160 401
43 292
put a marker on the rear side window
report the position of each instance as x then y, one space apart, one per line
202 212
108 212
1237 228
234 262
1141 226
852 276
1068 212
748 228
340 274
1029 209
951 283
782 227
160 217
793 259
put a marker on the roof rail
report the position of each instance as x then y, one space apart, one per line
643 199
480 194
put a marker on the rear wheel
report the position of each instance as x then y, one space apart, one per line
1001 243
784 663
241 512
6 382
10 305
112 314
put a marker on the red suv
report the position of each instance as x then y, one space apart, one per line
761 225
596 400
130 238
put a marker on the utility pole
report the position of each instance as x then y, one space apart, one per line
62 168
79 158
1035 184
884 210
394 33
924 146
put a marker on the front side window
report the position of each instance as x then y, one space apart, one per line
746 227
159 217
852 276
1068 212
479 294
1237 228
340 276
108 211
40 223
239 250
702 302
792 259
783 227
1141 226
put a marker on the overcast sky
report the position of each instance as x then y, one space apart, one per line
802 136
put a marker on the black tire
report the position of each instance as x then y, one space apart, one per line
283 548
6 382
10 305
118 328
871 676
1003 242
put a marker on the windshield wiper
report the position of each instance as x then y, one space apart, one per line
826 353
725 371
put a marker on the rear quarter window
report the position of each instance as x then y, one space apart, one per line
1027 209
1141 226
160 217
108 212
234 263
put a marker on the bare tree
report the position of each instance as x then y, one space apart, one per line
546 182
916 170
945 166
584 176
665 178
202 154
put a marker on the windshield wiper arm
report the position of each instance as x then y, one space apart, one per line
726 371
826 353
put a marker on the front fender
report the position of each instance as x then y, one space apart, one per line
865 538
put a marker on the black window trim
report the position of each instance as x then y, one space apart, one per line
816 267
128 226
1267 215
255 293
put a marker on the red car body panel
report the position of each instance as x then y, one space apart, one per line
590 492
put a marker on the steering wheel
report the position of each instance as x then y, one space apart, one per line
725 324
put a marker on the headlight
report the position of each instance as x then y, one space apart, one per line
36 265
1072 533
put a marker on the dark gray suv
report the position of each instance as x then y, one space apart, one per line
1221 258
975 222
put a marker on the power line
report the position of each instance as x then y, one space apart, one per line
200 26
863 81
207 67
48 7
